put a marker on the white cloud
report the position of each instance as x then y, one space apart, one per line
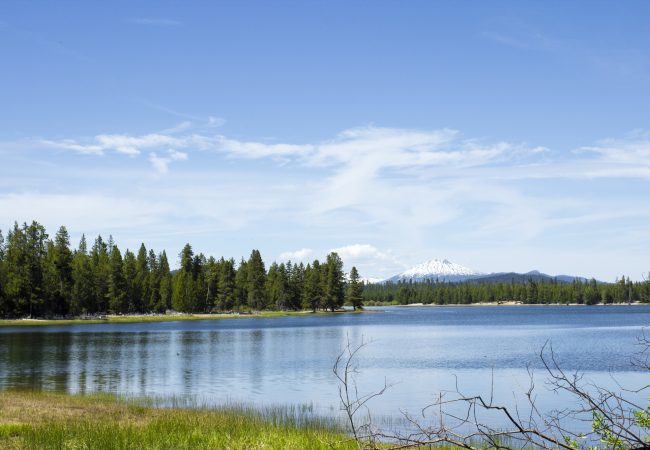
71 144
254 150
161 163
409 190
183 126
369 260
359 252
120 143
633 150
216 121
296 255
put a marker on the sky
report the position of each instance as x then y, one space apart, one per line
501 135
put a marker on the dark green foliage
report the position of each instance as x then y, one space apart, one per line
130 270
100 264
82 280
61 259
3 276
256 281
182 282
226 285
334 282
277 286
189 290
117 287
531 292
296 274
140 300
312 293
43 277
25 270
211 281
354 294
241 284
165 278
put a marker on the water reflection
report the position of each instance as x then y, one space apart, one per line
289 360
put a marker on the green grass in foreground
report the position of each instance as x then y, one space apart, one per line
161 318
37 420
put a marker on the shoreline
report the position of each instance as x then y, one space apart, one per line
147 318
55 420
471 305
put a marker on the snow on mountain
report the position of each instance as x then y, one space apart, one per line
436 269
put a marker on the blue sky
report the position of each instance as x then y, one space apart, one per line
499 135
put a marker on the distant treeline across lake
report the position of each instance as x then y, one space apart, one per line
530 291
42 277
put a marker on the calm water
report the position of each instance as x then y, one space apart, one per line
288 360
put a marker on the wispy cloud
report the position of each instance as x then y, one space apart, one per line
120 143
161 163
359 251
396 188
634 149
296 255
369 258
516 33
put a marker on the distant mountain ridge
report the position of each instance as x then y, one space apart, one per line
436 270
445 271
514 277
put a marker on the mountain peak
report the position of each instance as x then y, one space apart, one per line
435 269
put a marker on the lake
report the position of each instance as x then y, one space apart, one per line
420 351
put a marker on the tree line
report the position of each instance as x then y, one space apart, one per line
42 277
588 292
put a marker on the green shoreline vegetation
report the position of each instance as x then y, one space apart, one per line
140 318
43 420
44 278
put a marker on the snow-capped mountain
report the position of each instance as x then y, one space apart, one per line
436 269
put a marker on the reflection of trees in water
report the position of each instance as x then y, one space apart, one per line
35 360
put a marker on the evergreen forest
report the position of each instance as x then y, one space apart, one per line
44 277
587 292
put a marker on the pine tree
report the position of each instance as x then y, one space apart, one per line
26 252
3 276
296 274
226 285
199 299
334 282
312 293
355 290
183 286
100 263
17 284
141 292
153 282
256 281
117 287
82 280
241 284
277 287
165 282
130 270
211 283
62 259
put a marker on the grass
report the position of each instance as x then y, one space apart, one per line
160 318
39 420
